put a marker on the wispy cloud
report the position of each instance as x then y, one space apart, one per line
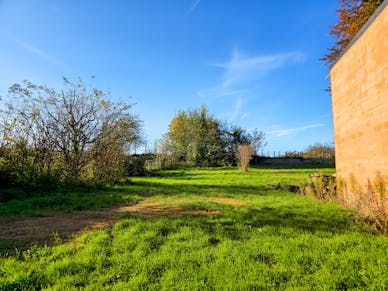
288 131
236 109
244 116
240 72
240 69
39 53
218 92
193 6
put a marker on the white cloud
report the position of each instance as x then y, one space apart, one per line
39 53
288 131
241 71
193 6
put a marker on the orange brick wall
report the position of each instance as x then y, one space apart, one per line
359 84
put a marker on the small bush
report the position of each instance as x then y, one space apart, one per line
244 156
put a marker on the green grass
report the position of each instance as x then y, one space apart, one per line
66 200
223 182
277 240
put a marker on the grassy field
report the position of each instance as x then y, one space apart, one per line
198 229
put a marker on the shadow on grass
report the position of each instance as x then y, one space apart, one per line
320 217
237 224
155 188
308 215
337 221
280 218
66 202
188 174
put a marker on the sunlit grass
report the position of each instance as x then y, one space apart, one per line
275 240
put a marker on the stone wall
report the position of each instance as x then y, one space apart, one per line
359 87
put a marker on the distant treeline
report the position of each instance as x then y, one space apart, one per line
317 150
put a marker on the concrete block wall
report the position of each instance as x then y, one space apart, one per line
359 87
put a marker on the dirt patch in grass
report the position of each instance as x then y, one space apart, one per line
229 201
44 229
29 230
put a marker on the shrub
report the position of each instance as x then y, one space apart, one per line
244 155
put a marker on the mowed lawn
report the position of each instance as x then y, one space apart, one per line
203 229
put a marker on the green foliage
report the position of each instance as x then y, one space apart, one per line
196 138
276 241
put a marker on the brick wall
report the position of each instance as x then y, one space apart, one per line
359 84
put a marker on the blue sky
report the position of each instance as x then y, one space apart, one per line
254 63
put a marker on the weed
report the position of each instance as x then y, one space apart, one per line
320 186
371 201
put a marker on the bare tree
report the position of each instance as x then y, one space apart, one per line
257 140
319 150
78 129
26 150
111 147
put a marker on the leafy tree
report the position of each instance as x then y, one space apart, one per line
352 15
197 138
